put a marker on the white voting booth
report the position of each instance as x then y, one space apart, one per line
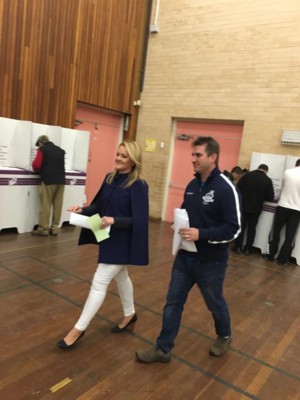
15 143
14 160
277 165
19 200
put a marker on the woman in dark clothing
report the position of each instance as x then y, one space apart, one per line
122 203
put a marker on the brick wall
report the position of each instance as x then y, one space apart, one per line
221 60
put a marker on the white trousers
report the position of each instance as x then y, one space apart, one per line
102 278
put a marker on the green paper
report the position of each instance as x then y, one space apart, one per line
94 223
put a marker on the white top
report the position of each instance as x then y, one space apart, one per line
290 193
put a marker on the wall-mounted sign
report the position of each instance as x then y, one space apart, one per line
150 145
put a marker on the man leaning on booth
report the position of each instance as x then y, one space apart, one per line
50 164
288 214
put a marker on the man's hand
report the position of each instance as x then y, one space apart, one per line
191 234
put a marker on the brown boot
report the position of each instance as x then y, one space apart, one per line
40 232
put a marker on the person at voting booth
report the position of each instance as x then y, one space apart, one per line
236 173
122 203
50 164
288 214
255 188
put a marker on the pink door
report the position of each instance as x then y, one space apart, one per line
104 131
228 135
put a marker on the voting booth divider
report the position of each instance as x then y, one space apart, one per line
277 165
19 200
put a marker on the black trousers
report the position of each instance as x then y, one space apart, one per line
290 218
249 222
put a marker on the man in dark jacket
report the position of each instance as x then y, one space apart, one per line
212 205
50 164
255 188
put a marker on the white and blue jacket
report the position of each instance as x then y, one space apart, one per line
213 208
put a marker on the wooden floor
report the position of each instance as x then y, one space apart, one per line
44 283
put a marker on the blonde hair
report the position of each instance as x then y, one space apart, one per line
135 154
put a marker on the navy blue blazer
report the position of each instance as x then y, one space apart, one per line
128 241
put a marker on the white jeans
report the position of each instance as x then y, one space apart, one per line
102 278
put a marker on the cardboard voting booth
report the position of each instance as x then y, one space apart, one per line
75 143
19 200
15 139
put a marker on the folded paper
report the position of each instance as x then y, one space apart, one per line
181 220
93 223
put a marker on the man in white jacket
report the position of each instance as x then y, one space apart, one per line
287 213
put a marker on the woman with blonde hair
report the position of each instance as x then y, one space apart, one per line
122 203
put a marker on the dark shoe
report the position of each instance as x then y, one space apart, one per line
117 329
270 257
282 262
154 354
40 232
237 250
220 346
63 345
53 232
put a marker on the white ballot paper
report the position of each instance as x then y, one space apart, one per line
79 220
181 220
92 223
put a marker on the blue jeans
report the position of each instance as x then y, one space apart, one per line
188 270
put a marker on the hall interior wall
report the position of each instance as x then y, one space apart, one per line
220 61
55 53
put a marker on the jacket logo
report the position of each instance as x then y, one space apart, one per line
209 197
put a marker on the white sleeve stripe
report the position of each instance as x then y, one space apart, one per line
238 212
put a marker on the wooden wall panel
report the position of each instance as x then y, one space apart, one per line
110 52
37 58
54 53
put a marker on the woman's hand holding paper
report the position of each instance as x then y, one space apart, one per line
106 221
75 209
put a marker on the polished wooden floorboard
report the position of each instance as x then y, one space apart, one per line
44 283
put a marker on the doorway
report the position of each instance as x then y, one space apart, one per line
105 134
229 136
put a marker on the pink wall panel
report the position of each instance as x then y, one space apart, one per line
104 139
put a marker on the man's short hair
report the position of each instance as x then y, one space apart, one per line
237 170
298 162
228 175
212 146
42 140
264 167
